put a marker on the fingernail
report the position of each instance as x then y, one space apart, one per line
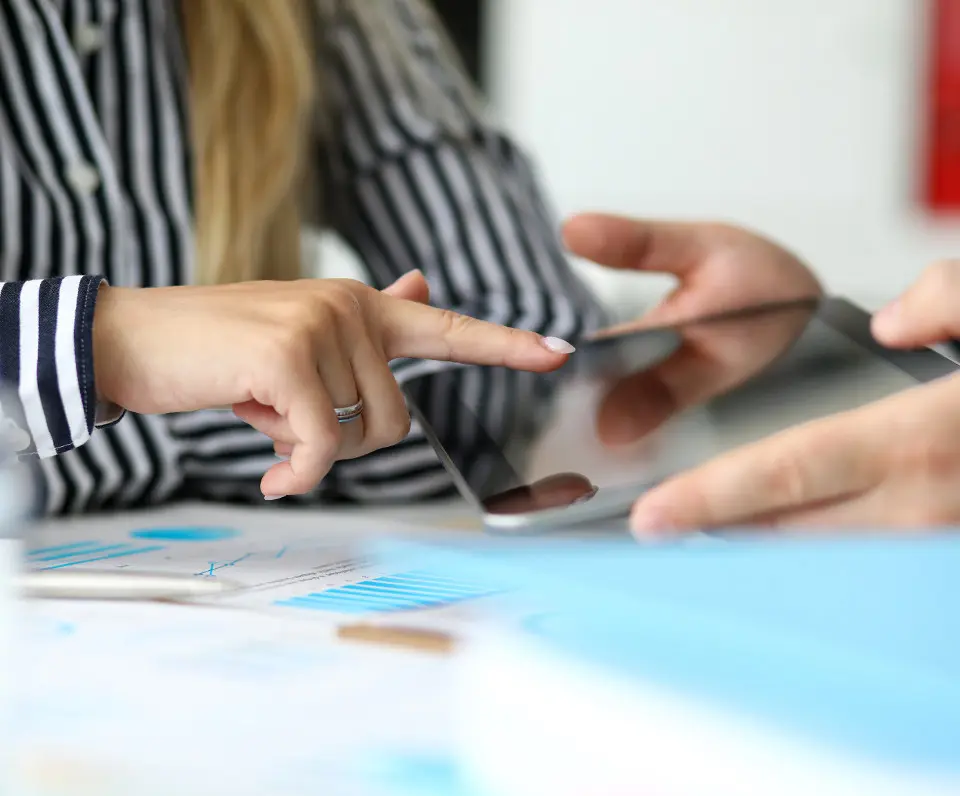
557 345
585 496
273 497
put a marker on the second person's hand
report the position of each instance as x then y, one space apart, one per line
718 268
285 354
891 463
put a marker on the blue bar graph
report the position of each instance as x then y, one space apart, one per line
402 592
71 555
63 548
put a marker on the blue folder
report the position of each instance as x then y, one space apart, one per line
852 643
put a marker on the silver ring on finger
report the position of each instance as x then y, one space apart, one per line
347 414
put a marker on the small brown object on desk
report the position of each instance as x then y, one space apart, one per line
434 641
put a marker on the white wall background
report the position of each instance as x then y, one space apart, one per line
798 117
802 118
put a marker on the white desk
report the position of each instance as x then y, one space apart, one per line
144 699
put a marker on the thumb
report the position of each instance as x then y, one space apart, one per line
927 313
632 244
412 286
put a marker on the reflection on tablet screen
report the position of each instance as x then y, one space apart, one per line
626 412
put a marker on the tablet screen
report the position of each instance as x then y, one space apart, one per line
629 410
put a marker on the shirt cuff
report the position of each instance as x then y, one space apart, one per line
107 414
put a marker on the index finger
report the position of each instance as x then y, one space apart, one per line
812 463
423 332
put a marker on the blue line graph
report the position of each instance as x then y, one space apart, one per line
71 555
401 592
215 565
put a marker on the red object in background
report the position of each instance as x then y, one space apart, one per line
942 183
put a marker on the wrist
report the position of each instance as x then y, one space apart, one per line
105 364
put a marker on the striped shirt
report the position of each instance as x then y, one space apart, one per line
95 183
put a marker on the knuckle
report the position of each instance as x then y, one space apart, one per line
344 304
787 478
289 345
349 293
451 322
465 326
935 458
394 428
523 336
352 314
454 325
400 428
301 314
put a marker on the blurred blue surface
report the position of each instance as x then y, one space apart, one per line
411 774
852 642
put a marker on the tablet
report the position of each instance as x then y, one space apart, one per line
539 451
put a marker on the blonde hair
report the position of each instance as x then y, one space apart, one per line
255 98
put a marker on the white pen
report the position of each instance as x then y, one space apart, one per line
96 585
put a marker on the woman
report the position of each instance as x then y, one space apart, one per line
149 144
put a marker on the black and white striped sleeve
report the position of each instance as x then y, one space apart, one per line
421 179
48 396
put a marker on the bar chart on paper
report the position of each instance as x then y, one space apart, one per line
77 553
313 577
136 543
386 593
